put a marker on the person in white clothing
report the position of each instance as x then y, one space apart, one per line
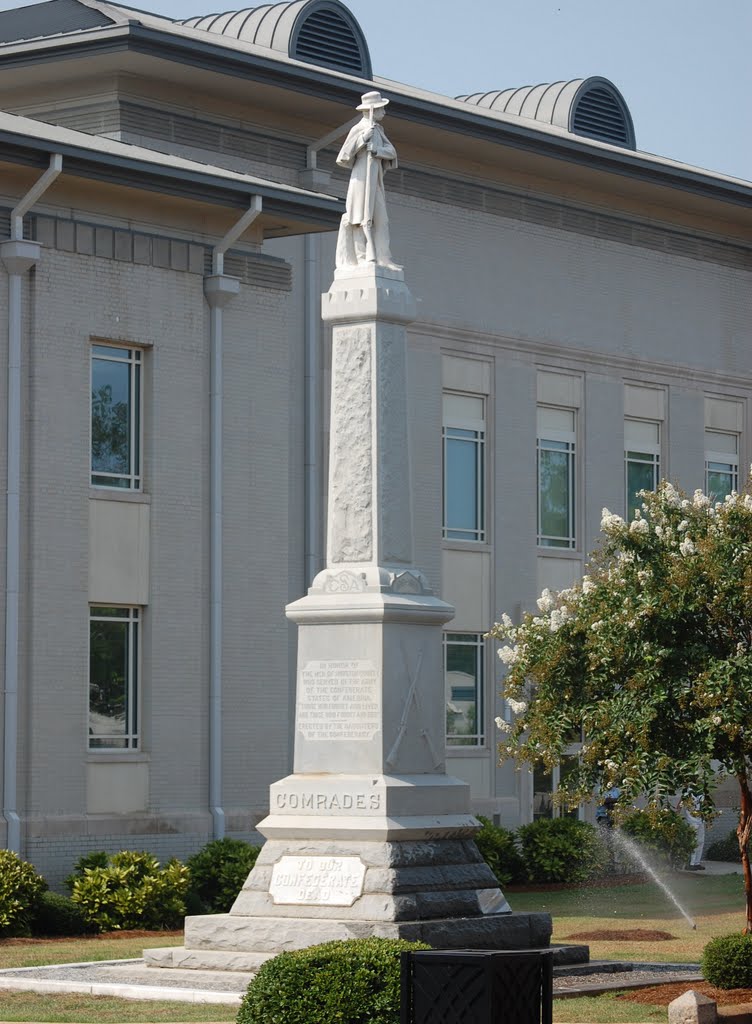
690 808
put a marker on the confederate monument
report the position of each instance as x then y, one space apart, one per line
369 835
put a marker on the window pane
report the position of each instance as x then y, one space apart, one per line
463 475
543 787
464 689
641 476
111 410
720 479
554 495
108 681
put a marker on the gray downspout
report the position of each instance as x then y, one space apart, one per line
219 290
18 256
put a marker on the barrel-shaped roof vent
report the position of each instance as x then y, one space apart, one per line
591 107
322 32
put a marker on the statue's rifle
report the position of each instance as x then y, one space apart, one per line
368 201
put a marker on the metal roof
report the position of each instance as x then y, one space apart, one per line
95 156
55 17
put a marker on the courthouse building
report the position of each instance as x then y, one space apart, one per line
168 203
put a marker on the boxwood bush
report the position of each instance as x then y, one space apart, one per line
58 915
217 873
725 849
356 981
132 891
727 961
561 850
20 890
662 832
498 849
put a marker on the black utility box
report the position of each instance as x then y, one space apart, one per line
469 986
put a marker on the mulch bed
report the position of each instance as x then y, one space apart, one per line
620 935
662 995
101 937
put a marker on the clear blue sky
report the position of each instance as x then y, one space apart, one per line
683 66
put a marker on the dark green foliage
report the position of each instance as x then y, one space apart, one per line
20 890
498 849
662 832
95 859
132 891
727 961
351 982
561 850
725 849
58 915
218 871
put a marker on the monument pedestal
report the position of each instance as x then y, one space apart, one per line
368 836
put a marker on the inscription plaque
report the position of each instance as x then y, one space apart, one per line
317 881
339 700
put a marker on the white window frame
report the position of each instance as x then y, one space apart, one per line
648 454
476 740
450 423
130 738
551 440
132 480
722 458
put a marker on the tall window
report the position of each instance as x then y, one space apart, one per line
113 678
721 463
546 783
116 417
556 477
464 437
463 675
642 460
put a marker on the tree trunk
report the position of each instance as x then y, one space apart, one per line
743 830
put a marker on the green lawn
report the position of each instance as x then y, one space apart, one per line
715 902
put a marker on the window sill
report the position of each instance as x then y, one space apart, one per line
113 494
465 545
116 756
546 552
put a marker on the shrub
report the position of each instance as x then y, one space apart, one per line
498 849
95 859
662 832
132 891
726 848
347 982
727 961
218 871
58 915
561 850
20 890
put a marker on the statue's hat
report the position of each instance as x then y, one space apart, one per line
371 101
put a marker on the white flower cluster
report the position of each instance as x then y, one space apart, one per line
700 500
687 547
587 585
546 601
502 725
508 655
671 495
639 527
611 523
518 706
558 617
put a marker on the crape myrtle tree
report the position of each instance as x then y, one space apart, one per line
648 658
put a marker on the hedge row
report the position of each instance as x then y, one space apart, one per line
570 851
130 889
